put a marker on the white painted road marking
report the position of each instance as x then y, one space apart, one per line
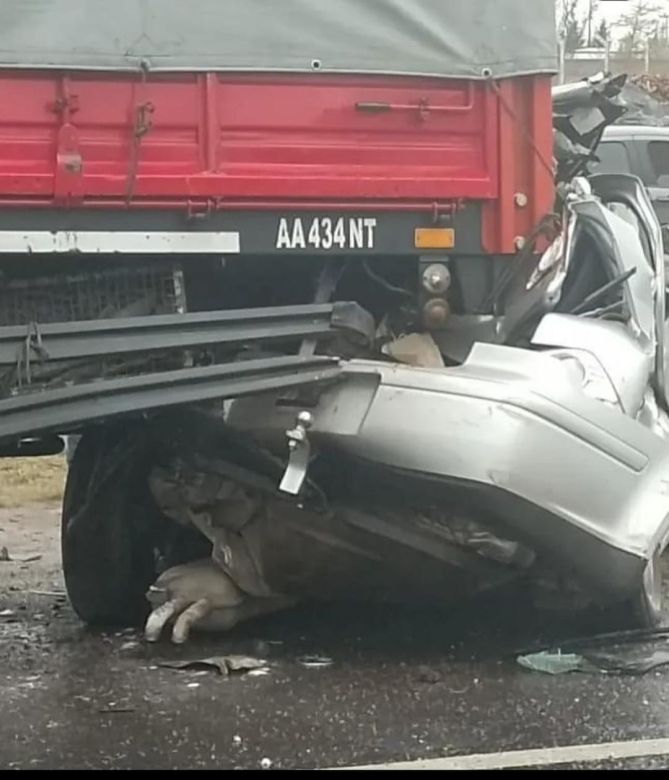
571 754
118 242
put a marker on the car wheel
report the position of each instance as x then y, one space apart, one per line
646 609
108 528
651 599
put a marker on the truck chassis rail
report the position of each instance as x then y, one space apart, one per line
75 340
31 410
58 411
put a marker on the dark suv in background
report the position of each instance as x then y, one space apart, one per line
644 152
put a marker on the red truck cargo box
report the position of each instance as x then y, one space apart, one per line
96 139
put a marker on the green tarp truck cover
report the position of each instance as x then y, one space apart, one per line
443 38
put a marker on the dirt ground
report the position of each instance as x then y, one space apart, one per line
26 481
30 495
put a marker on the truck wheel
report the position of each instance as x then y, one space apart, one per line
108 528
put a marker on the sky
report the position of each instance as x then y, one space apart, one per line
612 10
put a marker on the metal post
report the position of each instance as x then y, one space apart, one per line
607 55
647 56
561 55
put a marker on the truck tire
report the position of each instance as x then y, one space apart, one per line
108 528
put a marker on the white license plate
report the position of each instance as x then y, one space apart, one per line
326 233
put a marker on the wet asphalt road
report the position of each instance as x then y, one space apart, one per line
403 685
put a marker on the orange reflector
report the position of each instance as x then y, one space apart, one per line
434 238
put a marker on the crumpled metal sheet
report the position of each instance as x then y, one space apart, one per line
222 511
581 112
272 547
223 664
643 107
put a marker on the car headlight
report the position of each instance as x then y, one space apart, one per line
590 374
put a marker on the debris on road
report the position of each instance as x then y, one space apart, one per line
224 664
258 672
315 661
132 649
244 663
621 658
553 663
427 675
5 557
266 763
7 615
616 664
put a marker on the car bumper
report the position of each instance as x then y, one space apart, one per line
581 483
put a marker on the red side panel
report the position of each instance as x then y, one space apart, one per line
246 137
525 150
260 141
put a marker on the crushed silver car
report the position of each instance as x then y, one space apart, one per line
527 443
543 455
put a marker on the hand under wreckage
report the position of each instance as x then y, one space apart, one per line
200 595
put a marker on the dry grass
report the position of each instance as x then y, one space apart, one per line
31 480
